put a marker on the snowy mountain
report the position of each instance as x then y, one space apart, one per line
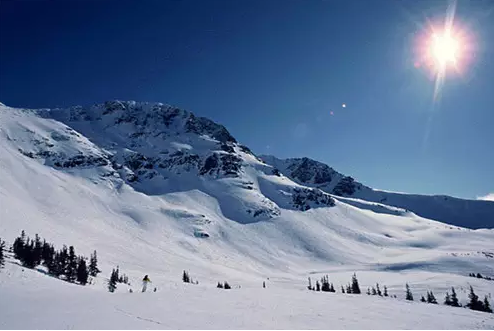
157 190
472 214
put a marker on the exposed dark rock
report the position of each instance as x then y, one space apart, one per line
346 186
227 148
210 164
303 197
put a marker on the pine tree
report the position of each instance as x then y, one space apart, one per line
71 271
447 300
475 303
63 260
409 295
82 272
487 305
117 274
325 287
318 286
355 286
422 299
310 285
431 298
349 289
219 285
378 290
112 283
368 291
185 277
93 265
385 291
373 291
29 259
18 246
454 298
2 249
37 250
479 275
332 288
47 254
342 289
263 284
227 286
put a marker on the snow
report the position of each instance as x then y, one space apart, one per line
473 214
150 226
185 306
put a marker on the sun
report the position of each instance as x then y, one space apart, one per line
445 49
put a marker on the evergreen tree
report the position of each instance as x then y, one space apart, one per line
431 298
355 286
332 288
18 246
409 295
422 299
378 290
479 275
112 283
447 300
2 249
318 286
368 291
219 285
117 274
63 261
37 250
310 285
227 286
475 303
325 287
29 259
53 265
185 277
385 291
47 254
348 289
71 270
342 289
454 298
373 291
93 265
487 305
263 284
82 272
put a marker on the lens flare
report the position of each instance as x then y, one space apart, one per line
444 48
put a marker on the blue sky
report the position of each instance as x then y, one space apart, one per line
272 72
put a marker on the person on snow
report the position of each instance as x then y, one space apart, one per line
145 282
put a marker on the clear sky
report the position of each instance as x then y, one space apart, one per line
276 74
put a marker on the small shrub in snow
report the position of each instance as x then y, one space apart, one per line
2 249
112 282
355 285
431 298
93 265
409 295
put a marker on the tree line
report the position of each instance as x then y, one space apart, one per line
64 263
450 299
479 275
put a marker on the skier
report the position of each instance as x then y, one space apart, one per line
145 282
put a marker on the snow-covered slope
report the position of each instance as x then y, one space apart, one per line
143 183
473 214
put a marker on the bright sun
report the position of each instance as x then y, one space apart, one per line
444 49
